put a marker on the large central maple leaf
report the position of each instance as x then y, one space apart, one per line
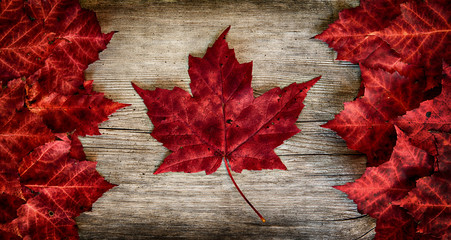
223 120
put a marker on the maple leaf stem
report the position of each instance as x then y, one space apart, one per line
239 190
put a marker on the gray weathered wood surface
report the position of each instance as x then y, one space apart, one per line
151 49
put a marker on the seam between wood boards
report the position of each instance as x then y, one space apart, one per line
144 131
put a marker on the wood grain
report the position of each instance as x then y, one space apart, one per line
151 49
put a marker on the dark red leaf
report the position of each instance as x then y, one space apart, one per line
443 157
10 183
365 123
8 9
223 119
389 60
76 151
433 114
8 207
55 34
12 97
65 113
421 35
20 132
8 236
377 189
395 224
386 58
352 35
380 186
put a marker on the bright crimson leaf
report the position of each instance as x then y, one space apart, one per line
24 128
66 188
23 42
44 160
430 204
223 120
20 130
365 123
380 186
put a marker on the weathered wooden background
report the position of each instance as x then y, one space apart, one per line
151 49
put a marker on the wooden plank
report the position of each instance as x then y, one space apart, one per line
151 49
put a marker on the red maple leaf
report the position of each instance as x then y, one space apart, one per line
388 59
66 188
390 181
430 204
20 130
352 34
64 113
223 120
45 104
395 224
431 115
53 35
365 123
422 34
379 186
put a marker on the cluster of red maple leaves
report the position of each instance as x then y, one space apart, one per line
402 118
45 103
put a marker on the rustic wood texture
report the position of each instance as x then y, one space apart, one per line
151 49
